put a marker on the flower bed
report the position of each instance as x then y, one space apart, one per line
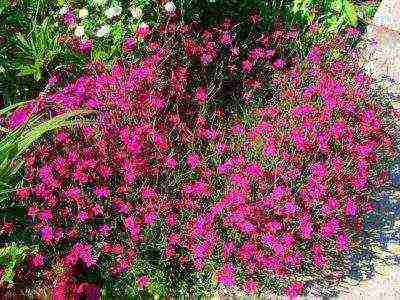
221 160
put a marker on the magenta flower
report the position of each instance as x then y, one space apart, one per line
129 44
228 248
37 260
150 218
143 30
193 160
143 281
294 289
80 251
200 94
250 286
105 230
47 234
133 228
227 275
343 242
85 45
18 117
69 18
102 192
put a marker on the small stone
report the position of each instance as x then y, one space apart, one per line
395 174
394 247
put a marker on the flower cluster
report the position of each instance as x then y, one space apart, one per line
208 156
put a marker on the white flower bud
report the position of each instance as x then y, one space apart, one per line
136 12
83 13
103 31
63 10
79 31
113 11
169 6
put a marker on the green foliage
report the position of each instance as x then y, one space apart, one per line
38 50
334 14
10 256
3 5
212 11
29 50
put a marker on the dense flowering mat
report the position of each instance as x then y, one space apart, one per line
221 159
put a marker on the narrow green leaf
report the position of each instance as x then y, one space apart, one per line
350 12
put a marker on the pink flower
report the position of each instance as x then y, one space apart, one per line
224 167
45 215
294 289
69 18
291 208
226 38
128 44
82 216
247 65
133 228
228 248
351 208
272 263
319 260
240 180
148 192
278 192
85 45
120 266
238 128
314 55
221 148
102 191
23 193
104 230
278 63
171 162
226 275
330 228
199 264
18 117
47 234
171 220
200 94
97 210
250 286
352 32
80 251
37 260
143 281
200 250
193 160
343 242
306 229
143 30
255 170
150 218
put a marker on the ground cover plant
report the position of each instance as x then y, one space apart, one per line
213 158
